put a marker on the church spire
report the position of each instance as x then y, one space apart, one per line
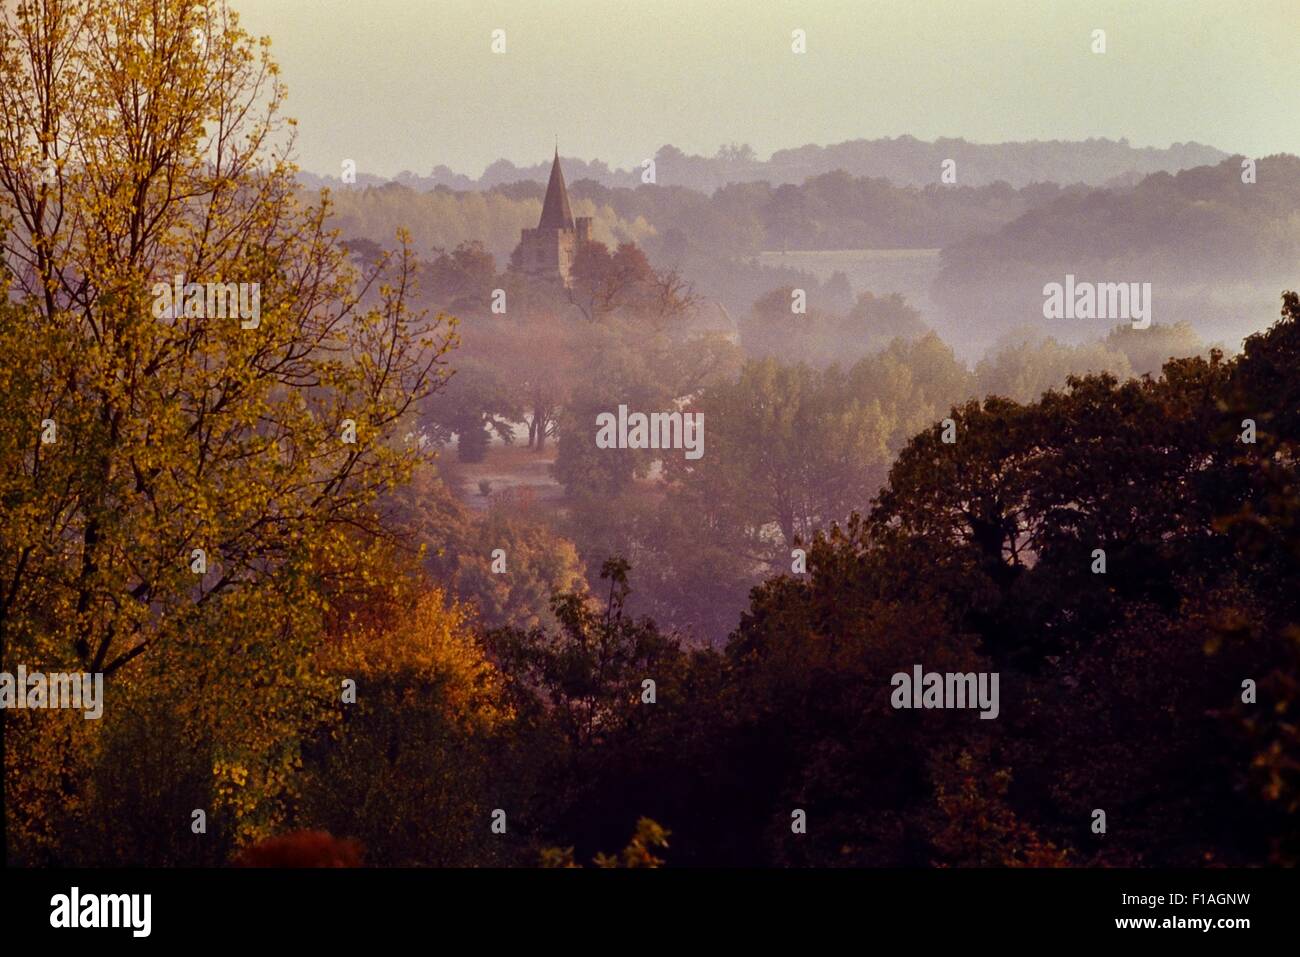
555 210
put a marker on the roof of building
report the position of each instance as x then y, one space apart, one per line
555 210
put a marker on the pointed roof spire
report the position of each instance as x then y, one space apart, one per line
555 210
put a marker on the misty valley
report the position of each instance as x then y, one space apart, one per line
356 508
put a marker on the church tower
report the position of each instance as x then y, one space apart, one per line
548 251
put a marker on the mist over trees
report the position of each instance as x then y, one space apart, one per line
1205 238
1202 236
359 565
901 160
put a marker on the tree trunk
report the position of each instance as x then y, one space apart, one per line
539 423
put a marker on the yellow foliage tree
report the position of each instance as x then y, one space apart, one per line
211 476
409 771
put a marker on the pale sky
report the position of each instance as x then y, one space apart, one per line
409 84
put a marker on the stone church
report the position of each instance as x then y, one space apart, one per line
548 251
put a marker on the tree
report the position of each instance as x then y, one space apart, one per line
411 774
477 403
977 827
458 546
618 368
1265 532
1025 371
694 576
788 218
590 669
581 688
881 319
539 361
462 280
141 144
789 447
605 282
1148 350
539 564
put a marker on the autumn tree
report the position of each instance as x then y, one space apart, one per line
208 476
605 282
409 769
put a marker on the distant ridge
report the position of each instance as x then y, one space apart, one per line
904 161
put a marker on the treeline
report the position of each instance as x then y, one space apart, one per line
1153 687
834 210
440 219
843 390
298 628
1154 690
904 160
1212 244
1218 223
1000 244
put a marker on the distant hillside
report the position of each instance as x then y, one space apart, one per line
716 239
1217 251
442 219
679 225
1205 223
1184 232
905 161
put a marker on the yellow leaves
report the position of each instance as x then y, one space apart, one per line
189 432
229 776
431 644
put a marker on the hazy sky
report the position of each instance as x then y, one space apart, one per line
409 84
